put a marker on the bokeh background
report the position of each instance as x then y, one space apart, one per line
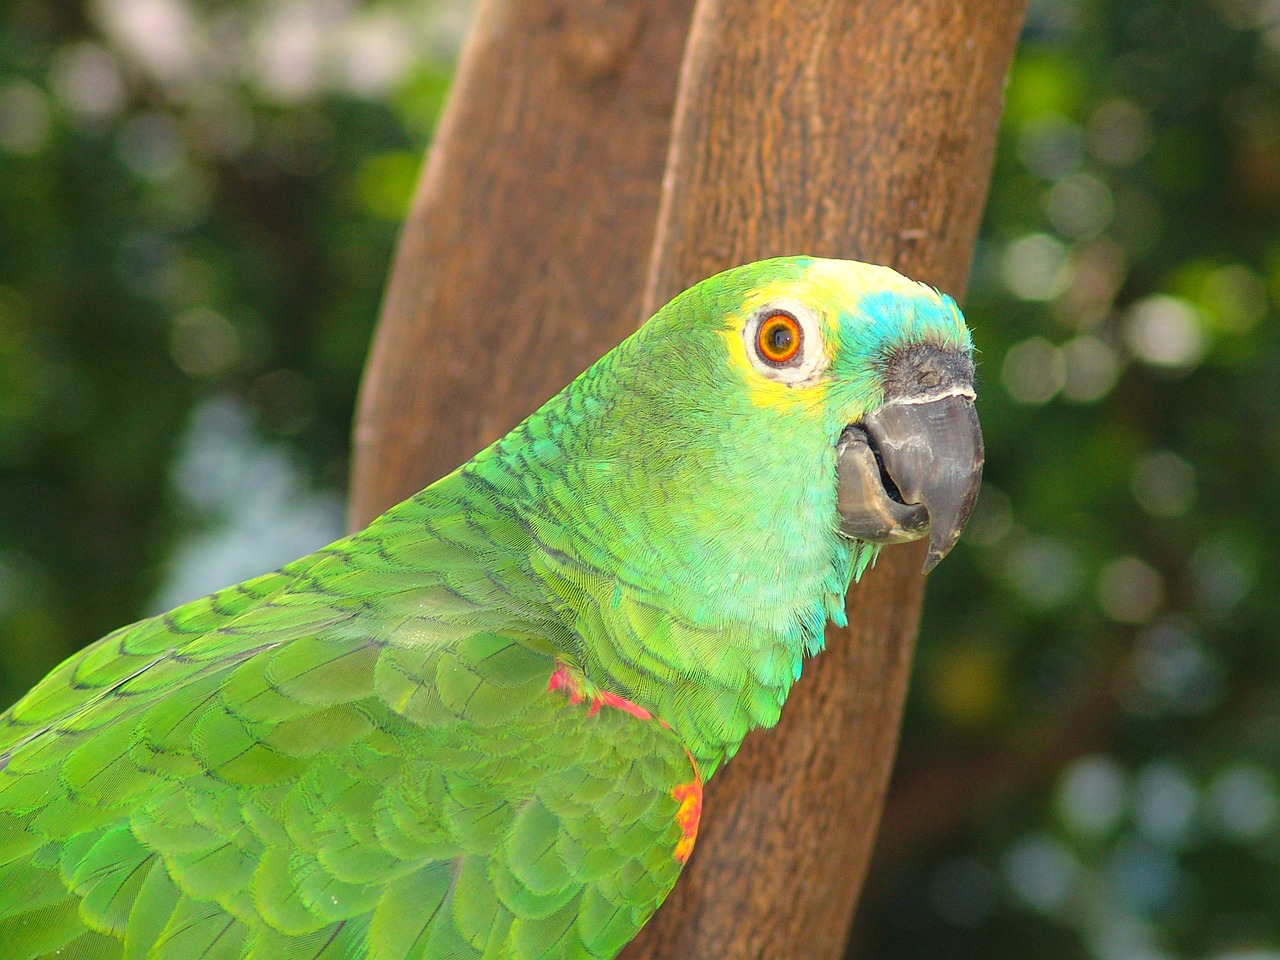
198 205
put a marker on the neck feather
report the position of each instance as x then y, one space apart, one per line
690 582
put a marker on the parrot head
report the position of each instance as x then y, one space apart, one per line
852 370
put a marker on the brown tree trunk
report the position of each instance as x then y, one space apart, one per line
861 130
524 255
853 129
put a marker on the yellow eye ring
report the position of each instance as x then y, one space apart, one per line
778 338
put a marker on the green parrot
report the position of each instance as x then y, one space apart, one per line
480 727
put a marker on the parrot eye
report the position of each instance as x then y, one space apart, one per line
779 338
784 342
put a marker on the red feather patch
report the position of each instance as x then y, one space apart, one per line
562 679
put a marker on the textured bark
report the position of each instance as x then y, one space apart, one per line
862 130
853 129
524 255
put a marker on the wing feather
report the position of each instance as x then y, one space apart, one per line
287 769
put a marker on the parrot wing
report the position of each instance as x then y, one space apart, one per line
277 771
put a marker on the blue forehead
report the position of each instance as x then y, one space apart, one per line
884 321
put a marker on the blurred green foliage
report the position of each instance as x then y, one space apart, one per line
198 202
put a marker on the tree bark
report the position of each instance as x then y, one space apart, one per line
862 130
524 254
839 128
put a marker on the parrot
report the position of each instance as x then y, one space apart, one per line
479 729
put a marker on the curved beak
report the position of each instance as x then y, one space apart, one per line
911 468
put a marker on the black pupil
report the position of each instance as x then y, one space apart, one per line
780 338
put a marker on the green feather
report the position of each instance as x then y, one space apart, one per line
468 730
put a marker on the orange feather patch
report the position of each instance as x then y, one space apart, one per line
689 796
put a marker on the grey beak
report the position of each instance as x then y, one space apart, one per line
911 468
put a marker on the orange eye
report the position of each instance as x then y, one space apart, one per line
778 339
